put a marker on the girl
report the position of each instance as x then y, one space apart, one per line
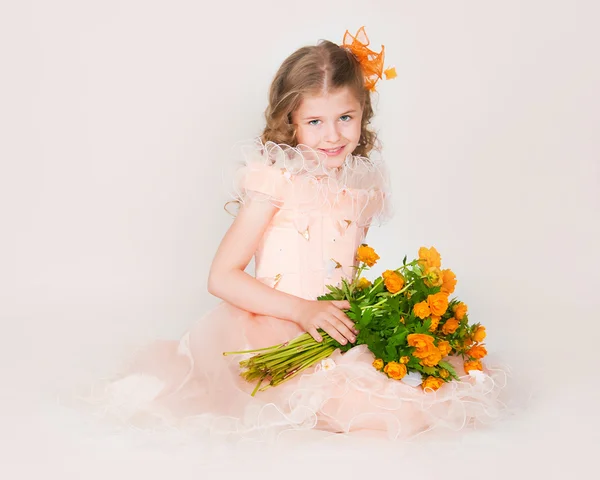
308 193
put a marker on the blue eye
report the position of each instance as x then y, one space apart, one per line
314 122
345 118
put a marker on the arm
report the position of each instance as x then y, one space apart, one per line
228 280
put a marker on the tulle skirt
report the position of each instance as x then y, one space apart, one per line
190 384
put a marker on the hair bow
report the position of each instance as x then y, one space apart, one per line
370 61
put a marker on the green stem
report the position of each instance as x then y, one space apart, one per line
374 307
282 346
268 357
275 358
308 363
403 289
377 283
297 358
241 352
258 384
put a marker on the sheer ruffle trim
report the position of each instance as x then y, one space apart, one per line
345 395
349 395
298 178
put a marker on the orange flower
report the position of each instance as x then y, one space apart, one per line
363 283
473 365
433 383
479 334
420 340
477 352
438 303
395 370
429 257
435 321
422 310
444 347
367 255
433 277
424 348
450 326
432 359
448 281
378 364
404 359
393 281
444 373
460 311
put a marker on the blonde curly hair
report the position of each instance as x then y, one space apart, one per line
313 70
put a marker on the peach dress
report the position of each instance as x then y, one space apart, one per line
322 218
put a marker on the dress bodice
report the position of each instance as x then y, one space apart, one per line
322 215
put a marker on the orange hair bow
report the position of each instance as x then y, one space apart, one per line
370 61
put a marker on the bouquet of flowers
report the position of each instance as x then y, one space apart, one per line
405 318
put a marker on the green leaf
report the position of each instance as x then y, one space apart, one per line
414 363
355 313
335 294
391 353
429 370
399 338
420 328
327 296
367 316
427 324
380 286
450 368
394 302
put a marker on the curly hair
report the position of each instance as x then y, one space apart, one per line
312 70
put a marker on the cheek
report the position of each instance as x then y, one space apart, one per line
306 137
352 133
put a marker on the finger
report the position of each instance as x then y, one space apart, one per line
312 331
345 320
342 329
342 304
333 332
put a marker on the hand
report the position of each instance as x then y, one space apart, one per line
329 317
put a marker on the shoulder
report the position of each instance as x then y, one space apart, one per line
270 171
260 172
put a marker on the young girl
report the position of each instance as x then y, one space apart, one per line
308 193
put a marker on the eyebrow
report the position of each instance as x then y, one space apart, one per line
319 116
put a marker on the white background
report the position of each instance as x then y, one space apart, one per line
117 119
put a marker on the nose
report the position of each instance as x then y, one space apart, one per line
331 133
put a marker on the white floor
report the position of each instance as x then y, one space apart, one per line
553 435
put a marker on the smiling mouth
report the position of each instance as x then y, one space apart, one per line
332 152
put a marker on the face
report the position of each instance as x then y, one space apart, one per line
329 123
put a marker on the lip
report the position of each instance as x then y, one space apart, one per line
331 152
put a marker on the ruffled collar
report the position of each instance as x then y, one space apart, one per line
297 178
302 159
